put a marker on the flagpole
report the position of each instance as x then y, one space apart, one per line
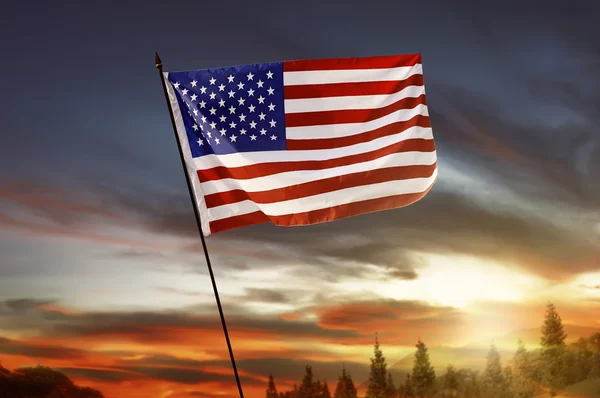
159 66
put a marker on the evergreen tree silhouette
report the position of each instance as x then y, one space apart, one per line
553 333
307 388
390 388
494 380
377 382
553 351
345 386
423 374
408 390
271 390
324 390
450 385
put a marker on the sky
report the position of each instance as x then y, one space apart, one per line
102 273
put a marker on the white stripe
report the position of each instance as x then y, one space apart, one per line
250 158
326 200
347 129
351 102
350 75
291 178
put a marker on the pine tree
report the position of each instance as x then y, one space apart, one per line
271 389
307 388
390 388
408 390
377 382
494 381
522 382
345 387
450 386
553 351
423 374
324 390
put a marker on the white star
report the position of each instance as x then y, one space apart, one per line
195 112
176 85
233 138
261 100
202 104
209 134
213 80
271 107
232 125
194 82
213 111
193 97
230 78
223 131
213 126
243 131
213 95
200 141
201 127
184 91
241 101
260 83
242 118
222 102
263 132
251 93
217 141
231 94
251 108
262 116
222 87
195 127
271 90
203 119
203 90
240 85
269 75
223 118
272 123
252 124
273 137
231 109
250 76
252 137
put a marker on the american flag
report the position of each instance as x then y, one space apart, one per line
304 142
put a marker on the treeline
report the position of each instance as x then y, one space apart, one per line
540 372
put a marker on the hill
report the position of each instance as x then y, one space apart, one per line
41 382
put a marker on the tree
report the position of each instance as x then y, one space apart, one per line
494 381
345 386
408 390
522 383
390 388
324 390
307 388
377 382
271 389
553 351
451 382
423 374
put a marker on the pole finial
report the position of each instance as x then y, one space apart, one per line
157 60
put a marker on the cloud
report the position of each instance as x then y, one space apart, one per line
13 347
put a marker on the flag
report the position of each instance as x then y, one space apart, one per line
304 142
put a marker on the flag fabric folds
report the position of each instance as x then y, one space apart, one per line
303 142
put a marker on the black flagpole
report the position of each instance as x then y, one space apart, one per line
159 66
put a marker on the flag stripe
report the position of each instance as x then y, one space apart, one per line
328 199
286 179
377 62
349 75
347 103
264 169
388 129
350 89
345 116
315 187
235 160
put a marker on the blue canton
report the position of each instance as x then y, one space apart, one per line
234 109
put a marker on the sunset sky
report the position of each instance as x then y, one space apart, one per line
102 273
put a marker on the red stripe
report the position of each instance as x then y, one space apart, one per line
330 143
319 216
265 169
350 115
380 62
350 89
321 186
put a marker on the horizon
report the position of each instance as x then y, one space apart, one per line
103 275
